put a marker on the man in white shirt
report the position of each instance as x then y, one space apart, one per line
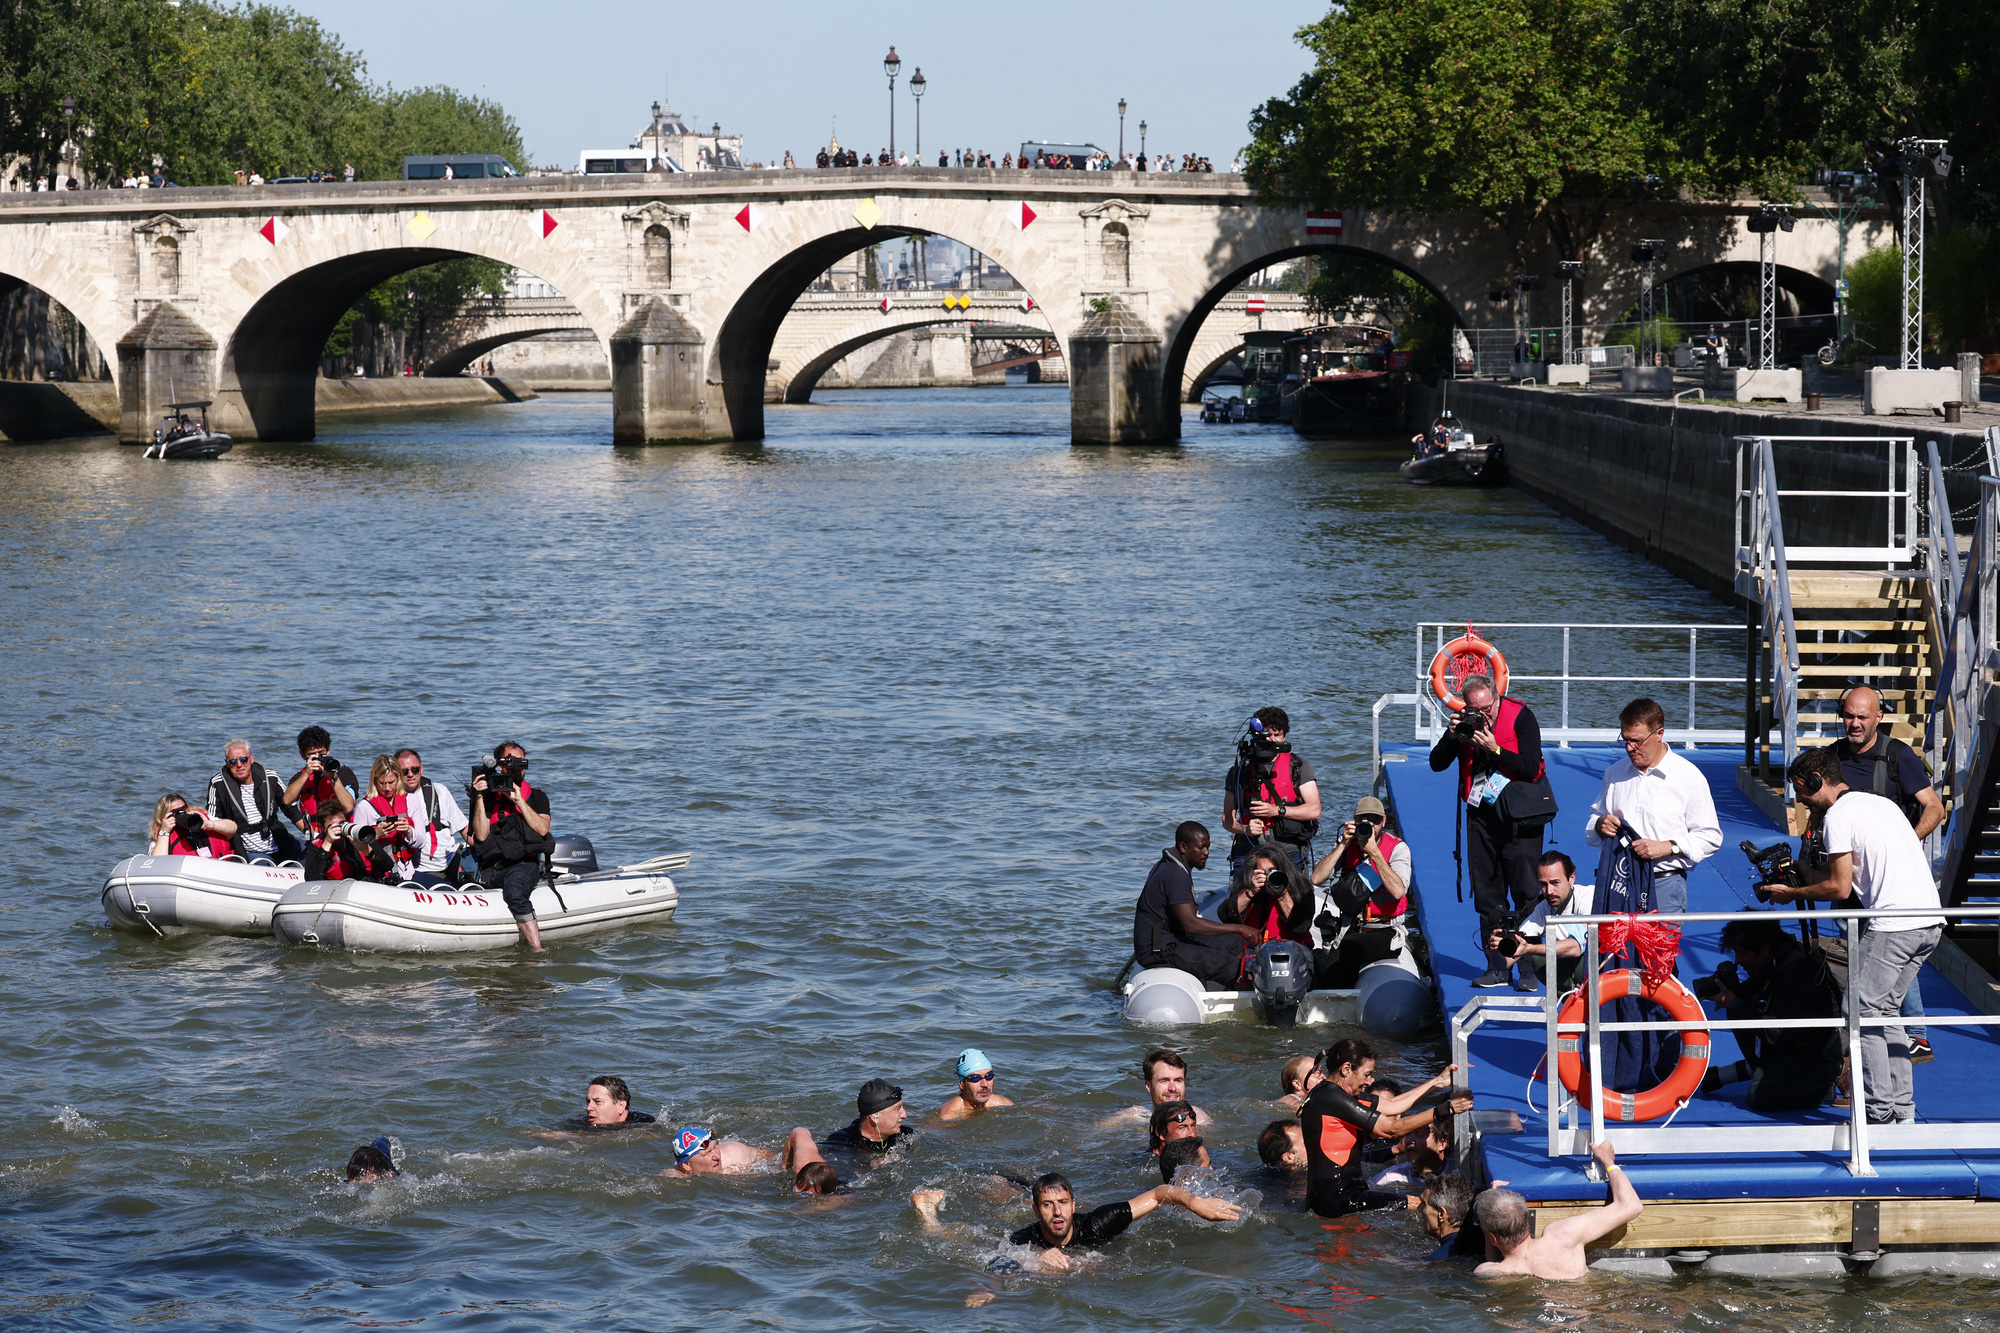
1877 862
436 825
1555 874
1663 799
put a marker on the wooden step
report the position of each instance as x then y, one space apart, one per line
1879 648
1871 626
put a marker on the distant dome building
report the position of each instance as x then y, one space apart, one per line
670 135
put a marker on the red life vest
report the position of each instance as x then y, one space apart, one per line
315 791
1381 907
211 847
397 808
1503 732
1280 790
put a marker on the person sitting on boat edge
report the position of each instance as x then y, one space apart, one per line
1337 1121
1167 931
324 786
386 811
336 853
510 834
437 825
1270 794
878 1128
975 1087
179 829
252 798
1379 863
1271 895
1558 1252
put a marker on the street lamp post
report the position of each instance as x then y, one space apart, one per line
1142 138
1121 129
892 65
69 135
917 91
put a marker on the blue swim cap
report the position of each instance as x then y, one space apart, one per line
689 1142
971 1060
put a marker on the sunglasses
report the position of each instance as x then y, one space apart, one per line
234 762
986 1077
1181 1118
412 768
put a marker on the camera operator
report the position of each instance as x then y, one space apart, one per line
324 787
1496 742
179 829
1271 894
1876 859
1555 876
1269 793
510 834
1370 869
337 851
251 798
1789 1069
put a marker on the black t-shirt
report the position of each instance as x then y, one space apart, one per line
849 1139
632 1120
1335 1126
1901 772
1087 1231
1153 922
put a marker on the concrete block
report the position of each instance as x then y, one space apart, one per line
1646 379
1568 375
1745 385
1968 377
1885 390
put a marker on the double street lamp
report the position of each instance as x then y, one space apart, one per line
892 65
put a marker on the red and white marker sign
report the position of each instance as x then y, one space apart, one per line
274 230
1019 215
886 303
1322 222
549 223
1255 305
749 216
1027 304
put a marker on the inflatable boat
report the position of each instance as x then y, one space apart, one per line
179 895
388 918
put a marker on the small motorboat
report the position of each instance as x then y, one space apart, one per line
388 918
1220 409
180 895
181 436
1448 455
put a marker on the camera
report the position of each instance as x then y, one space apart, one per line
1509 927
189 823
1465 728
1710 988
1366 827
329 766
1774 865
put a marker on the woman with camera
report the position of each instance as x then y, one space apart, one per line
179 829
1271 895
386 810
342 852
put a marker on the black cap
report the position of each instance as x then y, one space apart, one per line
877 1094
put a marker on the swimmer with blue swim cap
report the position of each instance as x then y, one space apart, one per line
697 1152
975 1087
372 1164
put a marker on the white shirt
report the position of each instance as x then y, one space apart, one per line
1669 802
418 839
1890 868
252 840
1581 898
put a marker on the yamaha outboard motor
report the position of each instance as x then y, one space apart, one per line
574 855
1281 974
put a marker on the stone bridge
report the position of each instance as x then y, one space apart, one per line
229 293
485 325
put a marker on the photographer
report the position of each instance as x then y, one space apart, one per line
1789 1069
1876 859
1270 894
338 852
1555 876
510 834
386 811
181 830
1269 794
1496 741
1370 870
324 786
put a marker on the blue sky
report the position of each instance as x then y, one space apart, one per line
583 74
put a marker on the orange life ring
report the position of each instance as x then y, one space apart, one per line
1679 1086
1468 645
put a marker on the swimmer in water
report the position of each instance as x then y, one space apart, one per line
699 1153
607 1107
975 1087
809 1171
1165 1076
1299 1077
1180 1153
878 1128
1174 1123
371 1164
1058 1227
1282 1146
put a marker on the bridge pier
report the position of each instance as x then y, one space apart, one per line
658 368
1115 390
165 358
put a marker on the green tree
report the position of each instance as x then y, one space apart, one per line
427 121
422 302
1513 108
1348 286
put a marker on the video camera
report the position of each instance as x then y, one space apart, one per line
1774 865
1509 926
502 775
1256 752
1710 987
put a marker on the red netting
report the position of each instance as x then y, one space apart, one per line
1657 943
1461 665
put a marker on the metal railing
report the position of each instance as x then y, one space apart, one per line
1959 729
1432 635
1856 1137
1902 486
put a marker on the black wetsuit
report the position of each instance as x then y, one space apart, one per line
1087 1230
1468 1242
1336 1126
632 1120
850 1140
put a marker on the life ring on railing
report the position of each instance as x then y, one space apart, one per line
1679 1086
1467 655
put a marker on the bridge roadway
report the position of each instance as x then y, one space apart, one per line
229 293
824 327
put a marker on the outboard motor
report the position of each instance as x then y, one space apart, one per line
1281 974
574 855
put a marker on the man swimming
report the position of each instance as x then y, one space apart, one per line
1282 1146
697 1152
371 1164
879 1127
1165 1075
809 1171
1174 1123
975 1087
607 1107
1057 1226
1558 1252
1299 1077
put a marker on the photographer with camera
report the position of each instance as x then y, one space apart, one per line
510 833
1370 871
1270 893
1495 742
1269 794
324 787
338 851
1775 976
1876 862
179 829
1532 936
386 811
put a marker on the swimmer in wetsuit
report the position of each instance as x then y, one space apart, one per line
1337 1121
878 1129
1058 1227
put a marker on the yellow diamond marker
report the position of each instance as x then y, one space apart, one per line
868 214
421 226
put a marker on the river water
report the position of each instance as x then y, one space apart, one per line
923 688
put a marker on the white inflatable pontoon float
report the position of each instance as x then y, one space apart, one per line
1390 998
180 895
387 918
